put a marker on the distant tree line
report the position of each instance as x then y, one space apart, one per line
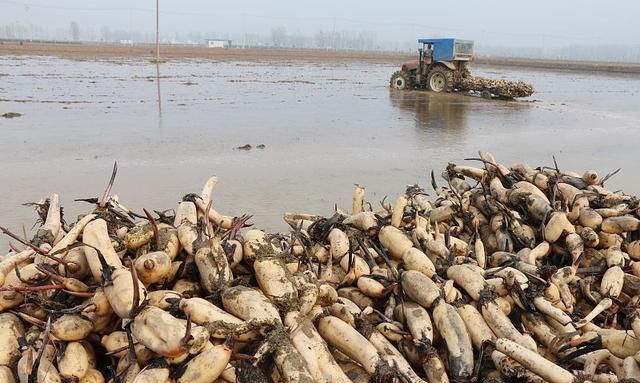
280 37
343 40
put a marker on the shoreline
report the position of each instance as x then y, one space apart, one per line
570 65
172 52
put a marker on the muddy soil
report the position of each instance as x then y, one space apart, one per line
88 51
169 52
325 125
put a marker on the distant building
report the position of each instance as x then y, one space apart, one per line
126 42
216 43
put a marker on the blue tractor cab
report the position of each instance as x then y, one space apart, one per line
448 49
441 63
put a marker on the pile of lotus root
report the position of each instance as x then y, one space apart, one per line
501 88
500 274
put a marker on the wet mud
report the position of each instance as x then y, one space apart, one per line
326 125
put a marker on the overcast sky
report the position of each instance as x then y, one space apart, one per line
543 23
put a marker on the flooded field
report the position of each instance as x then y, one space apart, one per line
325 126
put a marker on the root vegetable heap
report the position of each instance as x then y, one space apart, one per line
502 88
508 274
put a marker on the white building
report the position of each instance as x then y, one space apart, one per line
215 43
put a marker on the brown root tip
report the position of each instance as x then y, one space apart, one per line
72 267
389 289
149 264
187 334
135 305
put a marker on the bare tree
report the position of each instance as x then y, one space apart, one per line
105 33
75 31
279 36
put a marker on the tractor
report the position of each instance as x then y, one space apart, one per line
443 65
440 65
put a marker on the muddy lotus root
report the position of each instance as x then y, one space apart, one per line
501 274
503 88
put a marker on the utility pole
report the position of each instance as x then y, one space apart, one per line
334 40
158 31
158 55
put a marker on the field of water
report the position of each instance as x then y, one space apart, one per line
325 126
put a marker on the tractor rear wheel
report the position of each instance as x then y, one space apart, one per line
440 79
400 80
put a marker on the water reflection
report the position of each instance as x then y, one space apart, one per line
433 111
158 83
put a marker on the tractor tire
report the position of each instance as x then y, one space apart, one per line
400 80
440 79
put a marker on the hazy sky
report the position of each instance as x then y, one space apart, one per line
548 23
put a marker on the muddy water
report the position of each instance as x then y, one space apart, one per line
325 125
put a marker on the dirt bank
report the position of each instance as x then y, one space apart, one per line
90 51
590 66
105 51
